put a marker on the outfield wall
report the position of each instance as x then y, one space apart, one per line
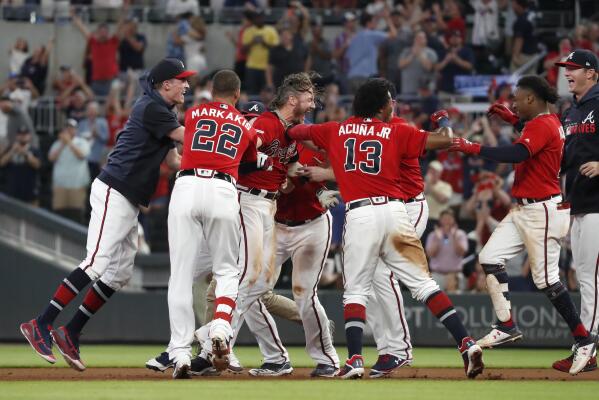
28 282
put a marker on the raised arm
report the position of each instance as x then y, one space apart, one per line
80 25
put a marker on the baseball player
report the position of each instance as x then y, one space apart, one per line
258 192
581 167
539 220
365 153
303 232
278 305
204 211
126 182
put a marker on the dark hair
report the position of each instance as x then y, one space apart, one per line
371 97
392 89
540 87
523 3
292 85
225 83
365 18
447 211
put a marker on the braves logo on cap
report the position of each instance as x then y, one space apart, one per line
254 108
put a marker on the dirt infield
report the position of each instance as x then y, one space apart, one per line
36 374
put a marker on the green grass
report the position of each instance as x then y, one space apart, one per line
21 355
329 390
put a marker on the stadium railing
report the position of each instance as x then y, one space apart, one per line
62 242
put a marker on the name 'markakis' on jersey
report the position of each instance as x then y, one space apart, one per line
212 112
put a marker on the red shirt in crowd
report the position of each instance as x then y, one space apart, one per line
410 177
104 58
216 137
453 170
301 204
276 145
115 124
365 153
537 177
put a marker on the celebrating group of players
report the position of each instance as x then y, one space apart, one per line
247 197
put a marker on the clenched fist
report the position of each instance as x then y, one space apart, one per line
504 113
464 146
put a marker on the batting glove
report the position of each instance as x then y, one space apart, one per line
263 162
328 198
440 119
464 146
504 113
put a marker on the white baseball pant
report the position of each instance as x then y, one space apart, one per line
203 217
382 232
308 246
536 227
111 236
386 315
585 257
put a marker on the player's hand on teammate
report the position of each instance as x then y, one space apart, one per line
440 119
263 162
590 169
316 174
328 198
464 146
504 113
294 170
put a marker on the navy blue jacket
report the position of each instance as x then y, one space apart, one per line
581 124
133 166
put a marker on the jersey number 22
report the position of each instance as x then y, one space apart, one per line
204 138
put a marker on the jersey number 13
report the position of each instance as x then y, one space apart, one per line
373 150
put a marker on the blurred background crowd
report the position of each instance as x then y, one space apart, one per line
455 54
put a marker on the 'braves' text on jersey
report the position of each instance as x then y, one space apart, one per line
361 149
302 204
276 145
537 177
216 137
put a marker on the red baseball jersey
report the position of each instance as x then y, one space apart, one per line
301 203
216 137
365 154
410 177
276 145
537 177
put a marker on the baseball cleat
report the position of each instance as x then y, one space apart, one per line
272 369
202 367
235 366
473 357
160 363
565 364
385 364
220 352
353 368
499 335
38 336
324 371
68 345
182 369
583 352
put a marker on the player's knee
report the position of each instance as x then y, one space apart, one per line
425 290
485 257
93 275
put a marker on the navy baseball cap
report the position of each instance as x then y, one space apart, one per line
169 68
252 109
580 59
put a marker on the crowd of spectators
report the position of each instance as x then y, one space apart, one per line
421 46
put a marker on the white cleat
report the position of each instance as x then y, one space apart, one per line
582 354
475 361
498 336
182 368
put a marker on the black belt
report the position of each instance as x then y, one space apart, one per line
260 192
528 200
374 201
415 199
214 174
292 223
